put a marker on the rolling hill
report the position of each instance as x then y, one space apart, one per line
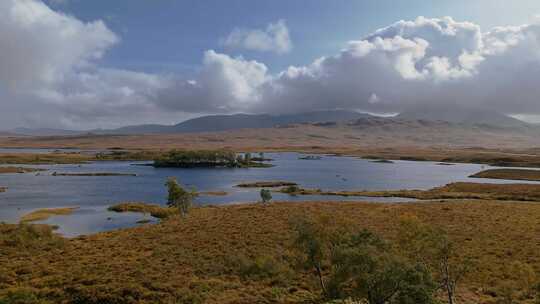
423 116
213 123
461 115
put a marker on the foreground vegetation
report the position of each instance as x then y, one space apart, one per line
516 174
253 254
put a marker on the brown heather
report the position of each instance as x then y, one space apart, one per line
203 258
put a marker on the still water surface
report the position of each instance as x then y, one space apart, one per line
27 192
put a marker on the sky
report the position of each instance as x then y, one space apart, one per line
82 64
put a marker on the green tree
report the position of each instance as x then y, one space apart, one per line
365 267
316 240
179 197
293 189
360 266
266 195
433 249
247 158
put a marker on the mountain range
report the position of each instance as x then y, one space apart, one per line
461 115
213 123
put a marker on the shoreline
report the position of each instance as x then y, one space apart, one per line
461 156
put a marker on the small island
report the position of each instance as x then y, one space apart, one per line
382 161
154 210
93 174
214 193
207 159
310 157
266 184
44 214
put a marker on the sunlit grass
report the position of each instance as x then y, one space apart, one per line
154 210
44 214
460 190
515 174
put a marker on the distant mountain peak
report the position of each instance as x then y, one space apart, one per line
460 115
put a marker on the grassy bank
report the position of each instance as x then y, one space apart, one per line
44 214
44 158
154 210
212 255
75 157
461 190
515 174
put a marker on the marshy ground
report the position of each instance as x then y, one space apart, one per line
460 190
196 259
514 174
407 141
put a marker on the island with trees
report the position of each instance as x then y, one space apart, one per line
208 159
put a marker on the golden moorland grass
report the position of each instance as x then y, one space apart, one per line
392 142
74 157
145 148
516 174
43 214
383 155
196 259
44 158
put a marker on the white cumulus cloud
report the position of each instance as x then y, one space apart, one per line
425 61
224 84
275 38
